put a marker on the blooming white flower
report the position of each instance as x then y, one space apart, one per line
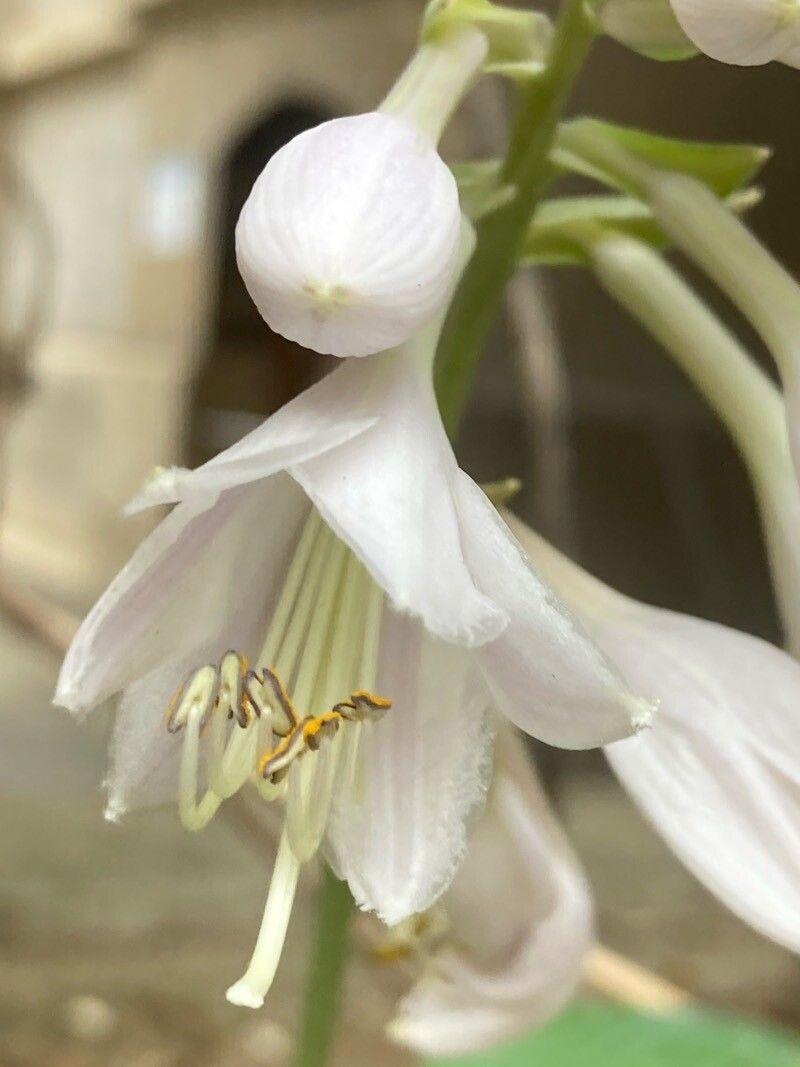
517 925
719 773
281 549
744 32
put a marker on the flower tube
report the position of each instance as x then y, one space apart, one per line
718 775
748 404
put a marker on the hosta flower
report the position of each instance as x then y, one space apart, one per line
329 611
511 933
719 772
348 242
745 32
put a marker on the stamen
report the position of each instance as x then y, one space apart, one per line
313 729
363 706
273 695
414 937
196 691
252 987
322 640
230 699
190 714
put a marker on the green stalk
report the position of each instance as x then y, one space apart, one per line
323 993
500 238
748 404
501 234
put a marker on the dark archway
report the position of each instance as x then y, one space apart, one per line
249 371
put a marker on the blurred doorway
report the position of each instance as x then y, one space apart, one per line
250 371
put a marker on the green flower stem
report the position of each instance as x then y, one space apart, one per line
745 400
323 992
500 238
707 231
501 234
436 78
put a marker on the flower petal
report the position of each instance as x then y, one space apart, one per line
390 494
544 671
719 773
399 836
208 565
331 411
744 32
521 924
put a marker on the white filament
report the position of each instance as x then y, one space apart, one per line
252 987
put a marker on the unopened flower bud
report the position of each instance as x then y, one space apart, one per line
647 26
744 32
348 242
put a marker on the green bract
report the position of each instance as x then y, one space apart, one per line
518 40
723 167
560 228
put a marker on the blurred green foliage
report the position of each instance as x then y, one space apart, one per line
599 1035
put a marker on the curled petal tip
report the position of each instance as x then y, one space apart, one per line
67 696
643 713
161 487
113 812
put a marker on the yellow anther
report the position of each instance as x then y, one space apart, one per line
196 694
363 706
309 732
230 698
270 691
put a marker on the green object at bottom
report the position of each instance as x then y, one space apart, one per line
598 1035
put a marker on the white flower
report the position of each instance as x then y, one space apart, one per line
719 773
518 926
348 493
348 242
745 32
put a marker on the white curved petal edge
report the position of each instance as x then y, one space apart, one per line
348 242
391 493
204 578
719 773
390 498
399 834
544 671
742 32
648 27
520 918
